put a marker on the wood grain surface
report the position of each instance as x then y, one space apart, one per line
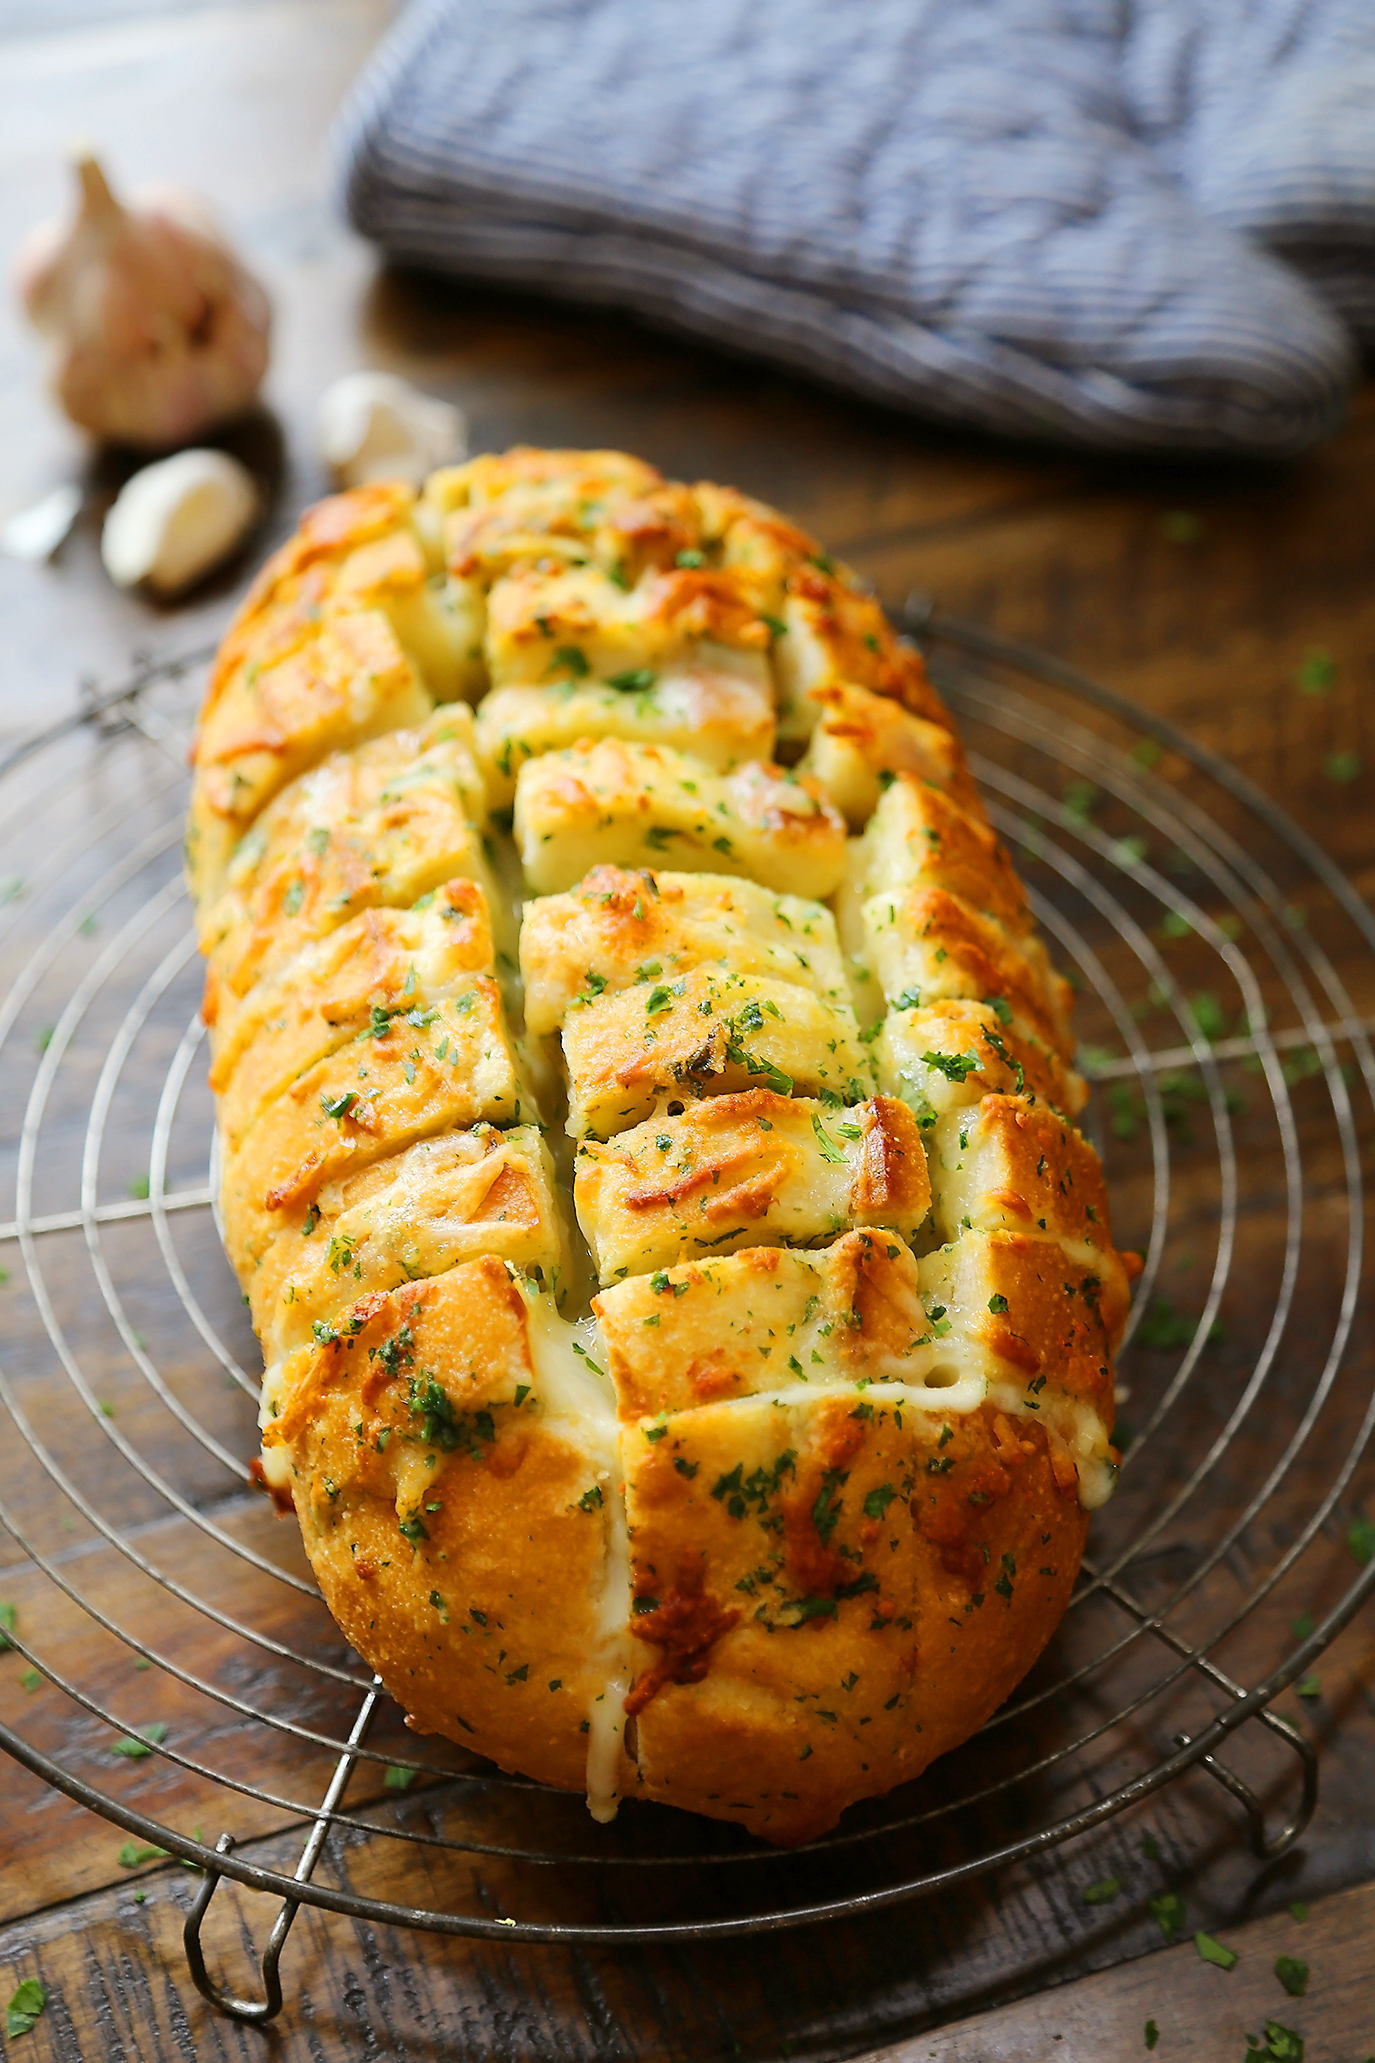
1198 593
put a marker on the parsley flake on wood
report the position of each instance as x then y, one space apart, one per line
1101 1893
135 1746
1281 2045
1152 2034
131 1856
1212 1951
24 2008
1167 1910
1292 1974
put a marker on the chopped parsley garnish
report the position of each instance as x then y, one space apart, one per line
24 2008
1000 1008
444 1427
338 1107
131 1856
1167 1910
829 1503
638 680
956 1067
133 1747
829 1150
997 1303
570 659
1212 1951
878 1501
1101 1893
591 1500
1281 2045
1292 1974
738 1492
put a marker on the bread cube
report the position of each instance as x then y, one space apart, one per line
429 1208
699 1035
860 739
369 1099
919 837
835 634
847 1316
349 682
640 805
435 1532
382 825
750 1168
946 1056
1008 1164
382 966
928 945
706 709
618 928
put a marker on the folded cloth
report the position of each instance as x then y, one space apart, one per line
1040 217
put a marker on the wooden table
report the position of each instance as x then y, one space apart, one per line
1205 619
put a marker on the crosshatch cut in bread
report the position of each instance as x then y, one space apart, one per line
648 1127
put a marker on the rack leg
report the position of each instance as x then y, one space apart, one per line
1263 1845
1267 1846
259 2011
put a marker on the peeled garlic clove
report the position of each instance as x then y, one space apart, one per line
173 521
374 426
157 331
35 534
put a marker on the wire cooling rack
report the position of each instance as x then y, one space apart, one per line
181 1671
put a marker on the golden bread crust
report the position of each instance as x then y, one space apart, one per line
792 1503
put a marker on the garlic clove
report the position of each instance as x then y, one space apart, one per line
174 521
374 426
34 534
156 330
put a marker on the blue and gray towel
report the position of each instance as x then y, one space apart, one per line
1141 224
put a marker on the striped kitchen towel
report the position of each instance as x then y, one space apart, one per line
1135 224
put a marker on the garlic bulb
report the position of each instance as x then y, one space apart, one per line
157 331
175 520
374 426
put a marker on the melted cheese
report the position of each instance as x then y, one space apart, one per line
569 1369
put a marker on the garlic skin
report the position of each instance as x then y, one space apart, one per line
157 331
374 426
174 521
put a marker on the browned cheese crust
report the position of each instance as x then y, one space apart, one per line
647 1118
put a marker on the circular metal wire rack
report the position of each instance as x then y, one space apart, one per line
179 1668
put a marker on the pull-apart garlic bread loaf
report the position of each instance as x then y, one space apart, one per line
564 829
